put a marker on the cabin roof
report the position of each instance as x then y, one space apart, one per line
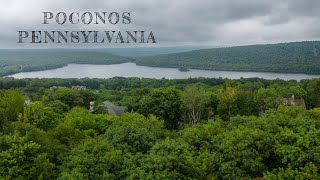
115 110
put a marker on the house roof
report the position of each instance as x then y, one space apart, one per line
115 110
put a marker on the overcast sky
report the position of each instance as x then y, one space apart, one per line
174 23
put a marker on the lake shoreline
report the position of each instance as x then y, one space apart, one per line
131 69
171 67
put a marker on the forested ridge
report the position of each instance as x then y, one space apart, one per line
174 129
14 61
295 57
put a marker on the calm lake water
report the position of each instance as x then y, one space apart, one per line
132 70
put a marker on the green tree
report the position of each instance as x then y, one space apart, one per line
163 103
21 159
69 96
267 98
48 145
313 92
41 116
227 96
58 107
246 102
92 159
309 171
11 106
87 97
67 134
195 100
168 159
80 118
243 152
134 133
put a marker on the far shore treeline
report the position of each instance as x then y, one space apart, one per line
295 57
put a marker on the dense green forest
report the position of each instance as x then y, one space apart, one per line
296 57
14 61
174 129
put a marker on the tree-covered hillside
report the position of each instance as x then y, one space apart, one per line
14 61
296 57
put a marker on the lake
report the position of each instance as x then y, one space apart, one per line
133 70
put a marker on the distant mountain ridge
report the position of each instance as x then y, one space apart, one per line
128 52
294 57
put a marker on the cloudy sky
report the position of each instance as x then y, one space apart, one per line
174 23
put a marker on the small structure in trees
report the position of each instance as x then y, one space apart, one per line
91 106
79 88
115 110
293 102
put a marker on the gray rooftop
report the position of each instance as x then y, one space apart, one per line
114 110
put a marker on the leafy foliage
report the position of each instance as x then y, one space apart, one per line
297 57
165 104
250 133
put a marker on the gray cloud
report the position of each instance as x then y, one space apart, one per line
175 23
304 8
